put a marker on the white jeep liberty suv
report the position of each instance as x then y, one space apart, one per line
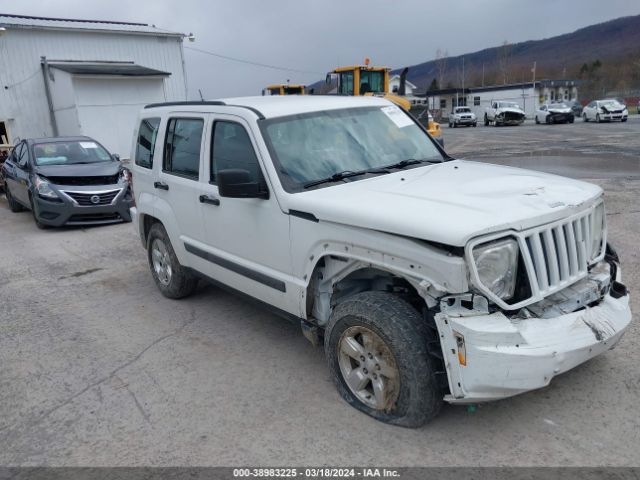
426 278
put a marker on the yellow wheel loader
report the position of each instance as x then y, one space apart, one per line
360 80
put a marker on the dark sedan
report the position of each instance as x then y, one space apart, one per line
67 181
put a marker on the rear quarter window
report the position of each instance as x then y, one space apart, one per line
145 146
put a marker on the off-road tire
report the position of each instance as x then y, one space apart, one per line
182 282
14 206
404 332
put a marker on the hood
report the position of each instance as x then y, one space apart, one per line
99 169
560 109
510 110
449 203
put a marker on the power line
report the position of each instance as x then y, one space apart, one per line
15 84
249 62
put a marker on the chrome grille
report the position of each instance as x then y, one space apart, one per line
93 199
560 253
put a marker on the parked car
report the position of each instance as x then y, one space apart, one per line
427 278
605 111
503 113
554 113
462 116
67 181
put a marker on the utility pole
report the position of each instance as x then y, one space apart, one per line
533 70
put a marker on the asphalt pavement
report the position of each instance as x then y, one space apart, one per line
97 368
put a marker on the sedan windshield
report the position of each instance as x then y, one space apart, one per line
70 153
345 145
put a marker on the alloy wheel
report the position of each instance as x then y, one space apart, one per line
369 368
161 261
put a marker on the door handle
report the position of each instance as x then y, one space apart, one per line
209 200
161 185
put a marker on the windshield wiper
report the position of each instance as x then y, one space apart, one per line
336 177
410 161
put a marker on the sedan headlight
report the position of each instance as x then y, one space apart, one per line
597 231
497 266
44 189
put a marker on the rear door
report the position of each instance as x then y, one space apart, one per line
178 184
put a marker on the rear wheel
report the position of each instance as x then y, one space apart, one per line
172 279
14 206
584 117
375 345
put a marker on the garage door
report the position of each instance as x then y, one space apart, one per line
108 108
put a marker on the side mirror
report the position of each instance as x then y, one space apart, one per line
116 157
236 183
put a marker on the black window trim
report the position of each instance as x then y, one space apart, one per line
135 160
164 146
213 134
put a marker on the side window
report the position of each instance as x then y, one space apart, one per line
476 101
146 142
231 148
21 155
182 147
346 83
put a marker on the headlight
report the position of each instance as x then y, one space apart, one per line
125 175
597 231
44 189
497 266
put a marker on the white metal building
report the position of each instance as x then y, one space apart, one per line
84 77
528 95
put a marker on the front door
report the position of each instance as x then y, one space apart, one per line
248 238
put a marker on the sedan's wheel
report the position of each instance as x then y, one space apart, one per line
376 349
537 121
37 221
14 206
598 118
584 117
172 279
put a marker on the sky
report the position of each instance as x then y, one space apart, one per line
315 36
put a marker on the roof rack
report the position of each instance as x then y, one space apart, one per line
210 103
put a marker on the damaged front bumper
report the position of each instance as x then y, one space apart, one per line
489 356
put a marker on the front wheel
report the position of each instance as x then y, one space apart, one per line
375 345
598 118
172 279
584 117
37 221
14 206
486 120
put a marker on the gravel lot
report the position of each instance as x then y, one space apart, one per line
97 368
